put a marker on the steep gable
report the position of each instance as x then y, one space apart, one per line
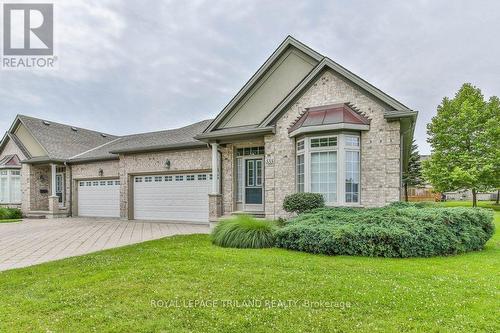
9 147
55 140
286 67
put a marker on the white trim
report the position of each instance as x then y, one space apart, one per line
331 127
215 169
340 150
9 195
87 151
53 180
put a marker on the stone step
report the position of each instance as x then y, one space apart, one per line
254 214
35 216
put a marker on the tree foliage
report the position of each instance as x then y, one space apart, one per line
413 175
465 141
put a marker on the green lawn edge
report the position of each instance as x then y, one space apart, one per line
129 289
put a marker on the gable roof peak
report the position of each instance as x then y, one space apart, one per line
278 52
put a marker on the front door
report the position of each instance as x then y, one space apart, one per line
254 175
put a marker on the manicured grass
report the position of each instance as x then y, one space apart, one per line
483 204
10 220
113 290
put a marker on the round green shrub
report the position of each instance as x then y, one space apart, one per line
392 231
303 202
244 232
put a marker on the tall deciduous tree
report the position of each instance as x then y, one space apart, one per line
412 176
465 141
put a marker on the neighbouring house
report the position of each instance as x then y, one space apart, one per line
466 195
302 123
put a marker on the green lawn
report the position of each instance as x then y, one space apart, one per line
484 204
9 220
113 291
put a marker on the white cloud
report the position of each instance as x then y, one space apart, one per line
175 62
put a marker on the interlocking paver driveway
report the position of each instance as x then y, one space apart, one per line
32 242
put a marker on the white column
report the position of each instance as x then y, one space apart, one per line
215 168
53 180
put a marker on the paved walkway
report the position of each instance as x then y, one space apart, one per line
31 242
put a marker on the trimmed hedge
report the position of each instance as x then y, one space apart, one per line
393 231
10 213
244 232
303 202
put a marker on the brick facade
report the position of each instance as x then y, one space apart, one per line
380 146
380 158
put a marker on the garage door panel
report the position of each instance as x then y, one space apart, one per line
99 198
179 199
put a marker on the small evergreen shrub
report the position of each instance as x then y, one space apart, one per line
393 231
244 232
303 202
10 213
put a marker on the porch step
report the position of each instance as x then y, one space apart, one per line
254 214
35 216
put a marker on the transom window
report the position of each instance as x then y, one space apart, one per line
324 142
330 165
250 151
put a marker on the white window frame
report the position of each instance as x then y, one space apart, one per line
341 149
301 152
11 195
350 148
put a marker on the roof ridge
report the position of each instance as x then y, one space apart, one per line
58 123
165 130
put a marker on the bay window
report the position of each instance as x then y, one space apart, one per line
330 165
10 186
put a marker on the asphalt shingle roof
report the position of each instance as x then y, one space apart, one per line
178 137
63 141
70 143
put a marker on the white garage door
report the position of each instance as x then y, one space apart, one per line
182 197
99 198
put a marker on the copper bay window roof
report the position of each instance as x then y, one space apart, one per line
329 117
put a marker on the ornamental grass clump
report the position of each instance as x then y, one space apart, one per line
244 232
392 231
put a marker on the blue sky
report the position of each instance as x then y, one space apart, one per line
138 66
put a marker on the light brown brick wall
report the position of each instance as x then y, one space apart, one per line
91 170
380 147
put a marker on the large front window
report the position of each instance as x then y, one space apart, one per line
10 186
330 165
